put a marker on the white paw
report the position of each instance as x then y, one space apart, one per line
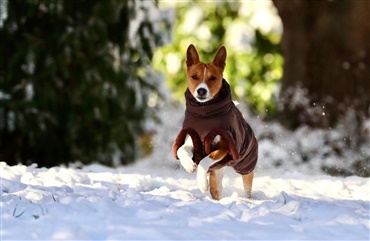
188 164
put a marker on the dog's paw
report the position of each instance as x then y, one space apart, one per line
188 164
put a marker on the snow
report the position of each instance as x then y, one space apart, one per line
146 12
156 199
3 12
99 203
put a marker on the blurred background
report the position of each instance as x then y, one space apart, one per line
83 81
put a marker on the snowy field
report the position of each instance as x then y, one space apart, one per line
156 199
97 203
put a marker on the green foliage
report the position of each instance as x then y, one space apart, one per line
254 62
74 80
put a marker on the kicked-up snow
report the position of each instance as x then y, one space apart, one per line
132 203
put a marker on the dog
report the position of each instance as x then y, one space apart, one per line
214 133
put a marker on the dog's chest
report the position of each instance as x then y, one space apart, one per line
204 125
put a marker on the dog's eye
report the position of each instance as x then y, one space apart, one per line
194 77
212 78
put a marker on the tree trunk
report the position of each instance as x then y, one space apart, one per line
326 47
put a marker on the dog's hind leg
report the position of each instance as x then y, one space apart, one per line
247 183
215 181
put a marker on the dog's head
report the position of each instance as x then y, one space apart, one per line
204 79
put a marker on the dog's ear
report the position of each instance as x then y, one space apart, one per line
192 56
220 58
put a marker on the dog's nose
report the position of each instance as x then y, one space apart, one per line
201 91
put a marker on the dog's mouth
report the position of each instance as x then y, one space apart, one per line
202 99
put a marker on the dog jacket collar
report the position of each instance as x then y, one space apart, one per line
217 106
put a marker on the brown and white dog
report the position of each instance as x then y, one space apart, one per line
214 133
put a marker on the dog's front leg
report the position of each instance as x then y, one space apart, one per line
202 177
205 163
215 181
185 154
202 174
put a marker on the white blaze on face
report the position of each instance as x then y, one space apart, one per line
204 74
203 86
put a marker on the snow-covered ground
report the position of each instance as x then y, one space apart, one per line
98 203
156 199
